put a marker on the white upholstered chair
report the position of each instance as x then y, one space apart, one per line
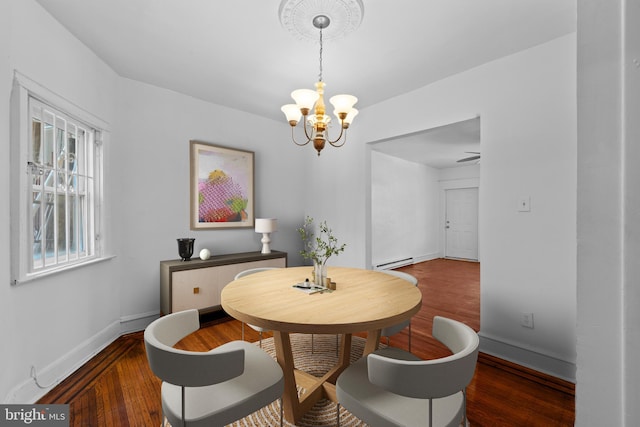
392 387
392 330
211 388
246 273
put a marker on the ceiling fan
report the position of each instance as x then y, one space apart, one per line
476 156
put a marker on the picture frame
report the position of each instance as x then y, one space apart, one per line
221 187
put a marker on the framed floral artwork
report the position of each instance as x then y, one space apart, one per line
222 181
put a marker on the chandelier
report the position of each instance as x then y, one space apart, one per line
316 123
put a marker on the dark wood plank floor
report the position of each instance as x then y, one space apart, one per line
116 388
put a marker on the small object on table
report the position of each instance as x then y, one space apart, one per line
309 288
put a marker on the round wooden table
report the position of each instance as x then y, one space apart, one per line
364 301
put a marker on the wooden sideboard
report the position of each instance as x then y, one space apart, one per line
197 283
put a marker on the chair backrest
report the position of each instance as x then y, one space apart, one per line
253 270
182 367
427 379
402 275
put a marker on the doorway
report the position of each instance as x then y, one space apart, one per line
461 223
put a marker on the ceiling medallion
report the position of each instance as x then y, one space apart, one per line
297 15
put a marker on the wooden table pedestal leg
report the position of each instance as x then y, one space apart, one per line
373 341
316 388
284 356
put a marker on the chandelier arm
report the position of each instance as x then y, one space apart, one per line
334 143
308 135
296 142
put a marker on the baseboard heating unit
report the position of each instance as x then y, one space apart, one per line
394 264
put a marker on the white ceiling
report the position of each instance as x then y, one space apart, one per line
236 53
439 147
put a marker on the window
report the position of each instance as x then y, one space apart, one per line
56 184
60 166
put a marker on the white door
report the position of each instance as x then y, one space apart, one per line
461 223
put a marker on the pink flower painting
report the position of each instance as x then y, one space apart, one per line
221 187
221 199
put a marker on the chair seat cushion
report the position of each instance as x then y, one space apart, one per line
257 328
392 330
217 405
380 408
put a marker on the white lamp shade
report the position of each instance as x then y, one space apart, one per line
292 111
343 103
266 225
351 115
305 98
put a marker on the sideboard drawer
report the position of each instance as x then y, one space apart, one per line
198 283
195 289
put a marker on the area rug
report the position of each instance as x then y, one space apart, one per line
317 363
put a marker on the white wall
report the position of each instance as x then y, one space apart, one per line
405 206
408 208
338 191
154 127
6 357
527 103
631 291
57 323
52 324
608 213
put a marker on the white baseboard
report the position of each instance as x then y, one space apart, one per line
50 376
427 257
529 358
137 322
406 261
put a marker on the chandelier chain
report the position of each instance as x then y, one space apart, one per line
320 74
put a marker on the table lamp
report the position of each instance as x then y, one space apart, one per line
266 226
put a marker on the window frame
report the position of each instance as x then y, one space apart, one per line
22 269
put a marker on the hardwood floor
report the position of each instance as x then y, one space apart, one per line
116 388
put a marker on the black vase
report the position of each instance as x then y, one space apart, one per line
185 248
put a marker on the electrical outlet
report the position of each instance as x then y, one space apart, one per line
527 320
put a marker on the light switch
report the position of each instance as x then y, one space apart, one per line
524 204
